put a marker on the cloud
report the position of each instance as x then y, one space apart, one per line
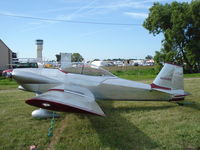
80 7
95 8
118 4
78 11
8 13
29 25
136 15
91 9
127 4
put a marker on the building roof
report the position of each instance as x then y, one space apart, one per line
5 45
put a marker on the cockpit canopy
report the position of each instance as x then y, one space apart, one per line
86 69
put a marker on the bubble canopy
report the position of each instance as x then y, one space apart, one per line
86 69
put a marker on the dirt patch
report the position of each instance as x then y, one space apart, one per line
56 134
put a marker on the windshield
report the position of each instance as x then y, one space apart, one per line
86 69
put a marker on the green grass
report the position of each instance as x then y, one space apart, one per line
128 125
18 130
193 75
140 72
137 125
135 73
7 84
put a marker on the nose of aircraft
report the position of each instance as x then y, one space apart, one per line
20 76
25 76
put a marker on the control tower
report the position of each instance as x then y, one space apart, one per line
39 44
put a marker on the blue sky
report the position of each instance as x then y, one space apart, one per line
91 41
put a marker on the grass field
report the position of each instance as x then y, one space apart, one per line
127 126
139 72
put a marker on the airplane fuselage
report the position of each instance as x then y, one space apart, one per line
76 87
40 80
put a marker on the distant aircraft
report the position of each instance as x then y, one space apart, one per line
76 87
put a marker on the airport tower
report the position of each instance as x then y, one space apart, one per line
39 44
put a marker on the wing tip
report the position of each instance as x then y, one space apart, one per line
99 114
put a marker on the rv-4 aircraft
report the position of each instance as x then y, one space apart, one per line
76 87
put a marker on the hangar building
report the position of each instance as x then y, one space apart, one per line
6 56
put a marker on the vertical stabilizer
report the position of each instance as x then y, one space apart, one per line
170 77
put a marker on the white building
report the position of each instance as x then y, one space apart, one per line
100 63
139 62
118 63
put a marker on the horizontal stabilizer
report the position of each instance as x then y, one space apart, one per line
176 95
174 92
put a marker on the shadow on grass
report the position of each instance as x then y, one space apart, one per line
193 105
145 108
117 132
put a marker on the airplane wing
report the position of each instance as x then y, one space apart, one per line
81 100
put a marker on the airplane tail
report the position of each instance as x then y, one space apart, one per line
169 78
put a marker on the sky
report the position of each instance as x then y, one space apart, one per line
126 38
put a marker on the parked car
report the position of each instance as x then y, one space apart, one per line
7 73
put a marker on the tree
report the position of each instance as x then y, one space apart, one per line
58 57
76 57
148 57
180 24
96 59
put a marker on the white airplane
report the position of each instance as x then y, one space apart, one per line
76 87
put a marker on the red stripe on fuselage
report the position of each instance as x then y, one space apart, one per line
154 86
63 71
60 90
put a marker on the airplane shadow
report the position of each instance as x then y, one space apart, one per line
117 132
145 108
193 105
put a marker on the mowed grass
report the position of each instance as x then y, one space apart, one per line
7 84
128 125
137 125
17 129
140 72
